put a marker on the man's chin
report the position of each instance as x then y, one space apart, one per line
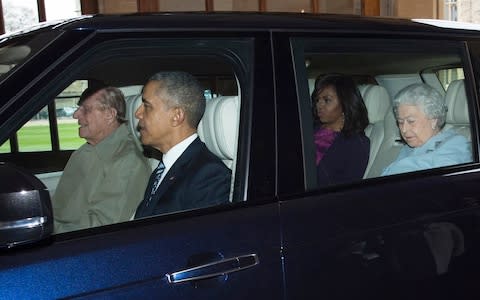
81 134
144 141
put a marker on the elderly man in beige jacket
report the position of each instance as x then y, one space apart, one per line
104 180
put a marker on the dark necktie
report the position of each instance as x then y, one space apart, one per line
156 182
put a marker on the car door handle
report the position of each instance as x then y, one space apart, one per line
213 269
359 249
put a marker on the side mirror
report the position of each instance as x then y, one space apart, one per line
25 209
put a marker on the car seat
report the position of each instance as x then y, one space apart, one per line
378 104
457 114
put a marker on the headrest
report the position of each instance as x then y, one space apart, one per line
376 100
131 90
133 102
218 128
456 100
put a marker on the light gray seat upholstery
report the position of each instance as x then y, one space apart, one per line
389 148
457 114
133 99
133 102
131 90
218 128
378 104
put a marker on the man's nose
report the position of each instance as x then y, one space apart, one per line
138 112
75 113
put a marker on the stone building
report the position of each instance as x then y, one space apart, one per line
468 10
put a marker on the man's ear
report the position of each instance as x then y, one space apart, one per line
178 116
111 115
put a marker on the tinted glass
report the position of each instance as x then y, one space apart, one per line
379 76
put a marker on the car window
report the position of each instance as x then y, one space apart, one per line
65 106
335 157
49 144
446 76
36 134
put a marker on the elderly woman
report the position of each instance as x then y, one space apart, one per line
421 112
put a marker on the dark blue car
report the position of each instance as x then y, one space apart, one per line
283 235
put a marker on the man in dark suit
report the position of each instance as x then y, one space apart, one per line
188 176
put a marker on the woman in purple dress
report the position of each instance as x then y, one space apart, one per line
342 148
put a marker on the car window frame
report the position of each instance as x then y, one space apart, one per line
345 44
242 66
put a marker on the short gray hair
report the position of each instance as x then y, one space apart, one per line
429 100
110 97
184 91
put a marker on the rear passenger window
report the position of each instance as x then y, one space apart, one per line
416 103
446 76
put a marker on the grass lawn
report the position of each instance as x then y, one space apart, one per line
37 138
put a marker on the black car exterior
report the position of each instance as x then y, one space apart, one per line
281 237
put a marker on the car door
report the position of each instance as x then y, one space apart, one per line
229 251
147 260
409 236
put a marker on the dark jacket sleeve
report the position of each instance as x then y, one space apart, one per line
209 185
345 160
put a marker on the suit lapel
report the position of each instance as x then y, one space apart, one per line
176 172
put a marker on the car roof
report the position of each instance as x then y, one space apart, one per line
256 21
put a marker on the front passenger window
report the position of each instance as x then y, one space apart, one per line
93 187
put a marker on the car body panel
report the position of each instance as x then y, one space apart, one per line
134 261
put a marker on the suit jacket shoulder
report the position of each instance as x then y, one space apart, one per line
197 179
